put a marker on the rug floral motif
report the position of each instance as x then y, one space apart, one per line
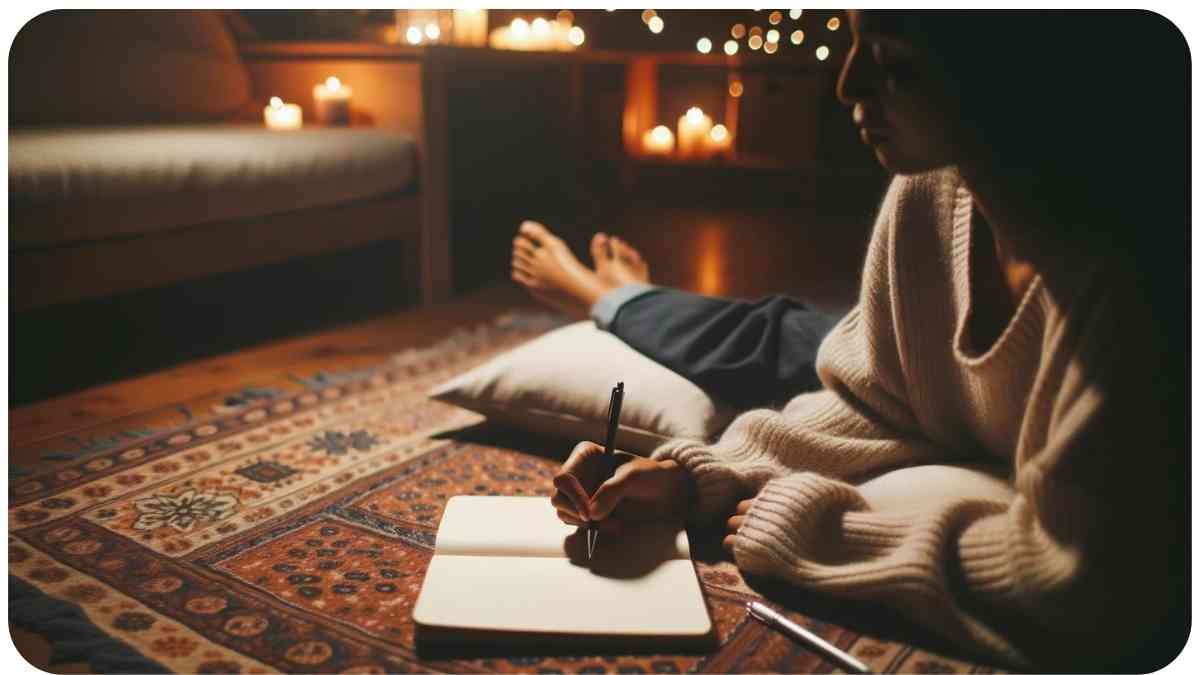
292 534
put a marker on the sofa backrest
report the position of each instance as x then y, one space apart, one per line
125 67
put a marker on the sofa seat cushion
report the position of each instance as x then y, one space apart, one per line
69 185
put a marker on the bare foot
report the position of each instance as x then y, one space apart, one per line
617 262
545 266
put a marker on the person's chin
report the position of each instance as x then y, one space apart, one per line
898 162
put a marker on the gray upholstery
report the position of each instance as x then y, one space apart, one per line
71 185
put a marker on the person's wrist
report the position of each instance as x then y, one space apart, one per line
682 487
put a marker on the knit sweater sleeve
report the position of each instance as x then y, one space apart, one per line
1078 566
859 423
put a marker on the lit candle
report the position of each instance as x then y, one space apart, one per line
281 116
470 27
694 126
719 140
658 141
331 99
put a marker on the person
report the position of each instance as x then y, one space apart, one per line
745 353
999 448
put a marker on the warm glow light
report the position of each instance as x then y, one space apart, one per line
520 28
736 88
755 41
738 31
719 133
695 115
565 16
834 23
413 35
276 102
757 30
795 13
332 83
731 47
432 31
772 35
704 45
656 24
575 36
775 18
797 37
822 53
771 47
541 26
661 134
647 15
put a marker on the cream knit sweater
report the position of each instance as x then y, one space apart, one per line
1066 562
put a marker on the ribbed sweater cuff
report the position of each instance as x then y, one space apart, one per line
717 483
985 554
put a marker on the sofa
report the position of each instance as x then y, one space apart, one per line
138 157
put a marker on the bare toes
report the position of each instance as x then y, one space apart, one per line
600 249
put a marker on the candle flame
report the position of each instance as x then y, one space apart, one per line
432 31
755 41
656 24
738 31
719 133
661 134
797 37
736 88
704 45
834 23
775 18
772 35
731 47
332 83
695 115
413 35
795 13
520 27
576 35
822 53
276 102
541 26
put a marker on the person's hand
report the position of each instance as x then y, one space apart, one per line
735 523
639 489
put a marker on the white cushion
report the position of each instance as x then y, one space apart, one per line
73 184
560 383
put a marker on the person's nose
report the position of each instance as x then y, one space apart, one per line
854 81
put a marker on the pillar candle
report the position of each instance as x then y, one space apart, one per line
693 133
331 100
719 141
658 141
280 116
470 27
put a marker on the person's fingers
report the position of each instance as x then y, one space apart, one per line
570 518
569 484
612 491
561 501
743 506
537 232
735 523
728 542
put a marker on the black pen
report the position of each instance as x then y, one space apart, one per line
610 457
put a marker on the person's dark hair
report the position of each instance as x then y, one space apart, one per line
1089 110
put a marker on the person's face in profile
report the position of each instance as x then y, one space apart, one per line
904 104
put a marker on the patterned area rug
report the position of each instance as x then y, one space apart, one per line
291 533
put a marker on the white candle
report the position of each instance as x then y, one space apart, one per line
693 132
658 141
719 141
470 27
281 116
331 99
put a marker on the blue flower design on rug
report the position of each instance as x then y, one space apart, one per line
339 442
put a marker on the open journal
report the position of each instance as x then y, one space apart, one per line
506 568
